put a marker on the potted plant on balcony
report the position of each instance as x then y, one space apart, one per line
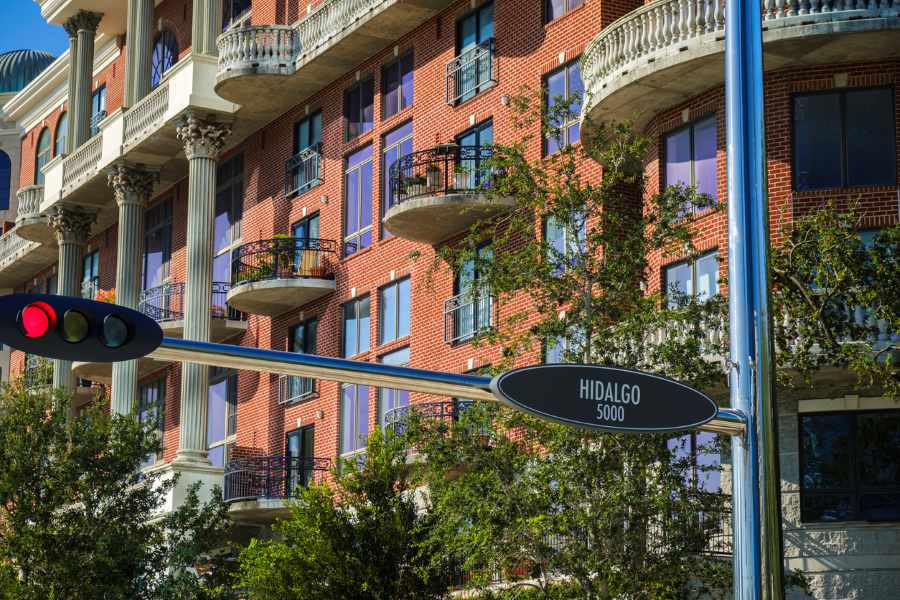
433 177
106 296
462 178
414 186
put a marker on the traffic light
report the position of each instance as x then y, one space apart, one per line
76 329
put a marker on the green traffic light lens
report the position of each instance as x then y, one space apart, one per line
75 326
115 331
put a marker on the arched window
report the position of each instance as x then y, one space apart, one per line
165 55
62 131
43 156
5 174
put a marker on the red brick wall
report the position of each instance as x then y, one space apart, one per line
176 15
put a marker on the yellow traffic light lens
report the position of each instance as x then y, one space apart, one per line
75 326
115 332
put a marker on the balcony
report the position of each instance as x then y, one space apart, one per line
22 259
439 193
165 305
277 275
301 171
671 50
293 389
472 72
257 487
292 62
397 419
467 315
30 223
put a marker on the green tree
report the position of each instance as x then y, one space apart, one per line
364 538
78 519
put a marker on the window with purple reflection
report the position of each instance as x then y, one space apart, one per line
157 244
397 144
221 414
699 455
392 403
690 157
229 203
359 108
553 9
358 201
564 88
397 86
354 417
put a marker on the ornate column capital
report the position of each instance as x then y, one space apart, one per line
202 138
131 184
83 20
72 225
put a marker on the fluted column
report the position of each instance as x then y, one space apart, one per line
203 140
85 24
138 50
72 226
206 26
72 31
131 186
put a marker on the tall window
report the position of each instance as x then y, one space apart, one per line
850 466
356 326
165 55
390 399
62 134
844 139
397 144
5 180
90 275
358 201
42 156
300 449
394 311
303 168
229 211
157 244
476 147
221 415
566 241
151 404
98 109
472 71
354 417
699 278
690 156
554 9
564 87
301 340
235 13
471 309
698 453
359 108
397 85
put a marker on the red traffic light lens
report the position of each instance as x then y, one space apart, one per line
37 319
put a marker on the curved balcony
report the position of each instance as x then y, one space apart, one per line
671 50
30 223
396 419
439 193
277 275
257 487
165 305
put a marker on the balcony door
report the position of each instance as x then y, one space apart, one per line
307 259
302 340
474 33
472 311
474 148
299 453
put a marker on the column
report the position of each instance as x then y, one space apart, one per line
85 24
72 226
131 186
138 50
206 26
73 60
203 139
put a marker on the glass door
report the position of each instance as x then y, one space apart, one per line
299 453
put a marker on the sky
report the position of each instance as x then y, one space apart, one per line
21 27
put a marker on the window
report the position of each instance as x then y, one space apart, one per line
354 417
359 108
221 415
98 109
392 403
5 180
356 326
475 146
564 87
690 157
229 212
300 448
698 278
565 241
235 13
62 134
397 86
301 340
553 9
698 452
559 349
358 201
394 303
90 275
42 156
844 139
302 170
472 72
157 245
52 284
470 310
397 144
850 466
165 55
151 404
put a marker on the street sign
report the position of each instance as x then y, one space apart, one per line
607 398
73 328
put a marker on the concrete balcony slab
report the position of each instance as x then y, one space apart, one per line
433 219
275 296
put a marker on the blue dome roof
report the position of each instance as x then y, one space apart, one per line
19 67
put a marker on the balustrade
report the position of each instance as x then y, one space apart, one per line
146 115
83 162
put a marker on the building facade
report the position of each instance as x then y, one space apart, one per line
225 167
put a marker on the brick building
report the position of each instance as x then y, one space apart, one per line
225 167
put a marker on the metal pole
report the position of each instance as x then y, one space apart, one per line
754 456
476 387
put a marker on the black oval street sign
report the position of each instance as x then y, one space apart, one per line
607 398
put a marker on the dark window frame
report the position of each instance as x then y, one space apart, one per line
357 86
566 12
692 261
355 303
397 63
575 118
690 127
381 311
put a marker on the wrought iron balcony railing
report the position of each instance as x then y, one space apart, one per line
301 171
90 288
38 372
284 258
166 302
293 388
471 73
396 419
270 477
444 169
468 314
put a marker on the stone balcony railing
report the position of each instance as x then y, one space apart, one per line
82 163
31 224
30 198
146 116
669 50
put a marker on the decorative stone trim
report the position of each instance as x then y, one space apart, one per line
72 225
130 183
83 21
202 138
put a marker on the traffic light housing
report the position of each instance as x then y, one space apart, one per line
71 328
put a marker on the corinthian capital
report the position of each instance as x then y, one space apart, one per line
72 225
131 184
83 21
202 138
